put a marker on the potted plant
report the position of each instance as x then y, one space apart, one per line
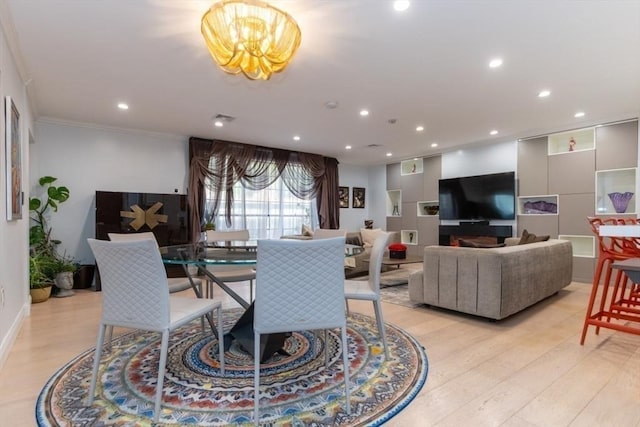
63 267
40 281
42 245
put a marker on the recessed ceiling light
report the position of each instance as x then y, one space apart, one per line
401 5
331 105
389 154
544 93
296 138
493 132
218 123
434 144
123 106
579 114
347 147
420 128
364 113
495 63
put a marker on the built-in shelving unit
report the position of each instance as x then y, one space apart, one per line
538 205
394 203
428 208
409 167
583 246
615 191
575 140
409 237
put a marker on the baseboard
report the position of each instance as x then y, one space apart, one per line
9 339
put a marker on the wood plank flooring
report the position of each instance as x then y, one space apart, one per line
527 370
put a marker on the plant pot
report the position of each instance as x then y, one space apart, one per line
83 278
64 283
40 294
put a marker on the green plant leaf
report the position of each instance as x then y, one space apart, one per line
45 180
34 204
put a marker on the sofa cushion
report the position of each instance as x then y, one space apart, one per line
471 244
369 236
353 238
531 238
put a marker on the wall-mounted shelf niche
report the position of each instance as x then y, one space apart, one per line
575 140
615 191
538 205
409 237
428 208
410 167
583 246
394 203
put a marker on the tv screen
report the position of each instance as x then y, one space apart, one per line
480 197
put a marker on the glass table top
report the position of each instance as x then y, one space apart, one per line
222 253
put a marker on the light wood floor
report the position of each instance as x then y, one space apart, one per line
528 370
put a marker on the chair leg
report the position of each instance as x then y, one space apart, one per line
381 329
221 340
109 336
161 366
346 303
345 366
251 290
326 348
256 377
96 363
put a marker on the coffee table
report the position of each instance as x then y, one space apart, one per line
399 261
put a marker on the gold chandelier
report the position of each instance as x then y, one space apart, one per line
251 37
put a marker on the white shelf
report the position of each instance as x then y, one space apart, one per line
612 185
394 203
538 205
411 167
583 246
423 208
409 237
568 142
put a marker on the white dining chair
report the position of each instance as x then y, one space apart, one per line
230 273
326 233
369 290
301 287
176 284
135 295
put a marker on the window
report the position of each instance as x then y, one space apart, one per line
268 213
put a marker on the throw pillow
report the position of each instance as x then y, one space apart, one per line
306 230
531 238
369 236
353 238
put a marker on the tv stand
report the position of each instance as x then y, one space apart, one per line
473 228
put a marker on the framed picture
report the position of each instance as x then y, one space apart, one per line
14 160
358 197
343 194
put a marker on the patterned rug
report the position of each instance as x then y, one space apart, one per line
296 389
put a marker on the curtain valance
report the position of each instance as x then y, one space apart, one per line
221 164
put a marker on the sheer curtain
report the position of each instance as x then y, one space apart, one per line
218 166
267 214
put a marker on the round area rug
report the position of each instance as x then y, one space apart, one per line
297 389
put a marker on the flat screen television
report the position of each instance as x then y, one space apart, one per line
480 197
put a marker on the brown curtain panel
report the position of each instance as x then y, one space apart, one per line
224 163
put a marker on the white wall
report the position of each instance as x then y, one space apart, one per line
14 288
89 159
500 157
373 180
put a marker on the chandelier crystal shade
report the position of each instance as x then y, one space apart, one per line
250 37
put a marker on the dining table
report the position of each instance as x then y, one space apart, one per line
230 253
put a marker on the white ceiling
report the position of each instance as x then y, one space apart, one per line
427 66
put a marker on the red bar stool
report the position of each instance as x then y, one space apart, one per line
612 250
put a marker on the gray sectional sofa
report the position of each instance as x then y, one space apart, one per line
492 282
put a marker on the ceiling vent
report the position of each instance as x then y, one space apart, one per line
374 145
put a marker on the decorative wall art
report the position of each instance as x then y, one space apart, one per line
13 160
343 195
358 197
